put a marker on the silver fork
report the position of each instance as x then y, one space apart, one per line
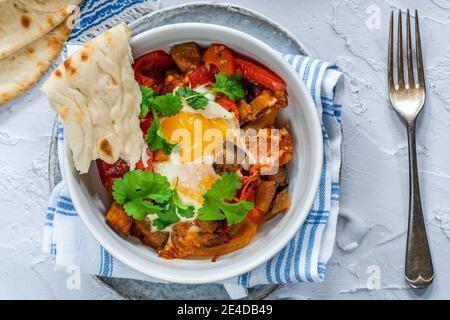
407 99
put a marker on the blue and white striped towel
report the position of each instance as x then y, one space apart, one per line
304 259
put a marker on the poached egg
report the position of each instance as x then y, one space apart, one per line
200 135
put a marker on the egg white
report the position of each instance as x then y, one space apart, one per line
187 176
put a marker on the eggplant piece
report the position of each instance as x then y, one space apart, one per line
153 239
221 168
280 177
281 203
209 226
282 99
217 240
286 146
272 149
253 90
266 120
187 237
118 220
245 111
264 195
263 111
187 56
261 103
228 159
173 80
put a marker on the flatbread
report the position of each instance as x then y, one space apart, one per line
24 21
20 71
98 101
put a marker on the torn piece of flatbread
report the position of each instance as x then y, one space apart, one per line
24 21
20 71
98 100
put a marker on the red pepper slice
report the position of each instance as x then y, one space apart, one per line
146 123
202 75
259 75
109 172
140 165
146 81
153 66
229 105
221 57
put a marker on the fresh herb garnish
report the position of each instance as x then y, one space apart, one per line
147 94
168 104
215 201
183 210
195 99
173 210
155 137
229 86
143 192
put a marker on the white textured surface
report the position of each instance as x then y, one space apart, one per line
375 172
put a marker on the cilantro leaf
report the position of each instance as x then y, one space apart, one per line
161 224
195 99
229 86
135 190
183 210
172 212
215 205
147 93
142 193
167 217
168 104
155 137
139 209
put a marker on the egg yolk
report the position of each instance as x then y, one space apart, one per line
197 135
196 194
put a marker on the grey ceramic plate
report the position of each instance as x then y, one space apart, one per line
222 14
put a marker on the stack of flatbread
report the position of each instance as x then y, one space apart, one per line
98 100
32 33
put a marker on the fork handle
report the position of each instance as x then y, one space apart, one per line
418 265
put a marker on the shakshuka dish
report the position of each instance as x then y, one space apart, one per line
186 142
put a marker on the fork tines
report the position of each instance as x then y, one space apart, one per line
409 53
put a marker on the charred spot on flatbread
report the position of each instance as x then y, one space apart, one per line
114 81
51 21
84 55
69 67
53 42
21 70
106 148
58 73
25 20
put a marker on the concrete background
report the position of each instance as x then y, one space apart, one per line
375 170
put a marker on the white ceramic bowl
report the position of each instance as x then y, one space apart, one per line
91 201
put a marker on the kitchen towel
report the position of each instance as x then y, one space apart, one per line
305 257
